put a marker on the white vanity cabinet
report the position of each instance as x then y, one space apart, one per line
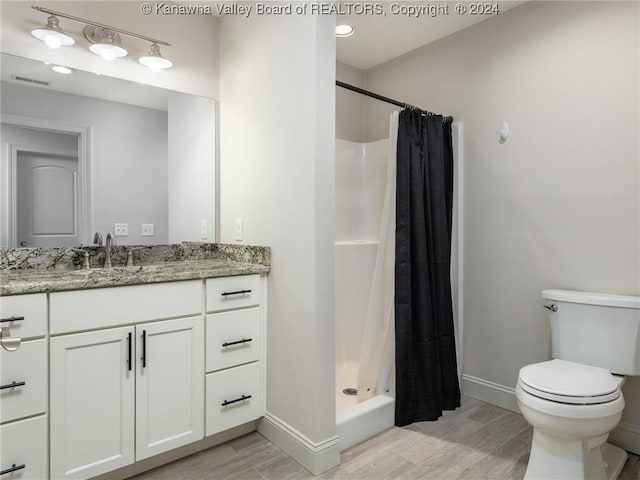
107 377
23 392
235 353
124 393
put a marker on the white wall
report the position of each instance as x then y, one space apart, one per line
191 173
193 39
128 155
349 105
557 205
277 131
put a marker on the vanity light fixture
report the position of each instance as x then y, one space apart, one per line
154 59
105 40
105 43
52 34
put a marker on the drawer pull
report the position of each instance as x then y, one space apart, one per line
11 319
12 468
237 292
12 385
237 342
243 397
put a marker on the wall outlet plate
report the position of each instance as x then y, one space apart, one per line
147 230
121 229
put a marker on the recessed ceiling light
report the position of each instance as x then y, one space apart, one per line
344 30
61 69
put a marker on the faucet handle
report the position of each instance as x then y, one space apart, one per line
130 255
85 263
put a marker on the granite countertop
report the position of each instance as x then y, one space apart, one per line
16 282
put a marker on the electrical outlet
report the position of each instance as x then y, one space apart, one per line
147 230
121 229
204 231
238 230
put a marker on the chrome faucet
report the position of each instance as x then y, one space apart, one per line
97 238
108 244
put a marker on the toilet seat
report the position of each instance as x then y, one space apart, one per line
570 383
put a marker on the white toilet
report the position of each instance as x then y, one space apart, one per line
574 401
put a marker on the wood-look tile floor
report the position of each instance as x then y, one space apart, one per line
476 441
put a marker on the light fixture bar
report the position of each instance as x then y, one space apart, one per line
100 25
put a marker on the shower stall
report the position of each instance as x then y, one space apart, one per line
364 273
361 184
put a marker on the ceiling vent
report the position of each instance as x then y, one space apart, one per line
30 80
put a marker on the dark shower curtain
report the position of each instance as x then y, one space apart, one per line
426 371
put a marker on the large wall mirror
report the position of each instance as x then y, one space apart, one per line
84 153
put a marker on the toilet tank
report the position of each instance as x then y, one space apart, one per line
597 329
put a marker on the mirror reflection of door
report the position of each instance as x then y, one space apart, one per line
40 199
46 201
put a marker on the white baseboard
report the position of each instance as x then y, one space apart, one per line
315 457
625 435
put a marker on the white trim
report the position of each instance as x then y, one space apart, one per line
14 151
625 435
457 283
317 457
85 203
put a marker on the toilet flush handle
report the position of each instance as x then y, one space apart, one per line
551 307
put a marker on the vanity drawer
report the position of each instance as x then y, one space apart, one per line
34 310
27 364
227 293
225 389
24 443
107 307
233 338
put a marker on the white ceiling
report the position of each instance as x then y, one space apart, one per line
380 38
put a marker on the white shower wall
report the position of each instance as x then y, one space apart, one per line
361 174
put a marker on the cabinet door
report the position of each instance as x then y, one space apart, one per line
169 385
92 402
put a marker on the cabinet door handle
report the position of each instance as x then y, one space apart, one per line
144 349
243 397
129 348
236 292
237 342
12 385
12 468
11 319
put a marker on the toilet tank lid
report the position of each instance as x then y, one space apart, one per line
592 298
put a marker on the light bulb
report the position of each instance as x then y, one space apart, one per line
107 54
154 66
53 41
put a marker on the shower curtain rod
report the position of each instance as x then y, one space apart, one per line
362 91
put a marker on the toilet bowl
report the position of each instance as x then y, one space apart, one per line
575 400
572 408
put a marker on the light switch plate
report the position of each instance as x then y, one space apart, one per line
204 230
238 229
147 230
